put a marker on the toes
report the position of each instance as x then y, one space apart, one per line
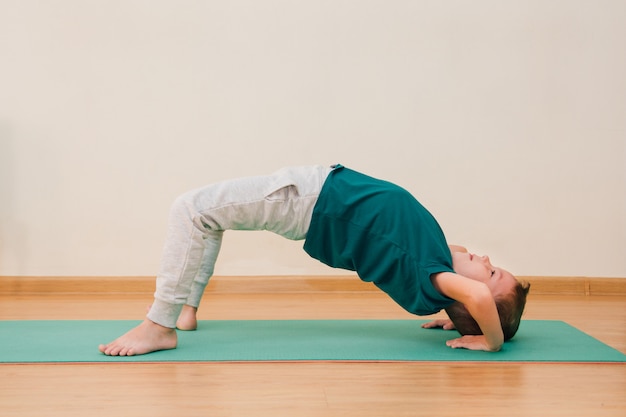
106 349
110 350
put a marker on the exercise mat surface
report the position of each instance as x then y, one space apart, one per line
47 341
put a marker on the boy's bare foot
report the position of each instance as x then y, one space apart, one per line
145 338
187 319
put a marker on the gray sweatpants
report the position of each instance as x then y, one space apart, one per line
281 203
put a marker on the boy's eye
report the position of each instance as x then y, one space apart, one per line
493 272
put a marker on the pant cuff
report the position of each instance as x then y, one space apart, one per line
164 313
195 296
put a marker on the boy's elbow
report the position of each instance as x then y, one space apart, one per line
495 342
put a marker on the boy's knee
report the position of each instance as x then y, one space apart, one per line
183 207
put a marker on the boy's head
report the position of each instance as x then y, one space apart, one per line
510 305
508 293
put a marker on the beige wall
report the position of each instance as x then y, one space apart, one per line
506 119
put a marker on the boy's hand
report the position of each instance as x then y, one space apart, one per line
478 342
445 324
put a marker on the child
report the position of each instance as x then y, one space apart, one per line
350 221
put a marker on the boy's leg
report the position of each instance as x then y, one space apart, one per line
281 203
187 319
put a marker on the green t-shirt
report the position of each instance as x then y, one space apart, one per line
382 232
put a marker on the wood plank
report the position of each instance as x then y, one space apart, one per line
607 286
219 284
277 284
312 390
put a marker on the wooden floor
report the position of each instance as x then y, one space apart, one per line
313 389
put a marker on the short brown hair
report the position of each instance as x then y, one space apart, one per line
510 308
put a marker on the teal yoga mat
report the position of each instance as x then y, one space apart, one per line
296 340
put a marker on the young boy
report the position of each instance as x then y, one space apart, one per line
350 221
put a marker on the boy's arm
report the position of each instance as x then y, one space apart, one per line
480 304
457 248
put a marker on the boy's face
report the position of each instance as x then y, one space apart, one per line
479 268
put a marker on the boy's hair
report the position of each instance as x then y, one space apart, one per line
510 308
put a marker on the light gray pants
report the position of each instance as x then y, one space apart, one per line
281 203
